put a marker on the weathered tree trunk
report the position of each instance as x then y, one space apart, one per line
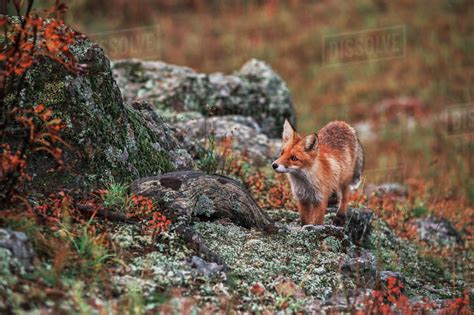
192 194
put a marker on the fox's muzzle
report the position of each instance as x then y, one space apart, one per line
279 168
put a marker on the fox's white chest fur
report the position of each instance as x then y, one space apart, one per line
304 189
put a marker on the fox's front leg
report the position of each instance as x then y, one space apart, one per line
340 218
312 214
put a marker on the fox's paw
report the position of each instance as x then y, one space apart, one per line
312 227
339 219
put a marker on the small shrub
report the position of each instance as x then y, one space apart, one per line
142 208
419 211
90 249
217 156
271 191
209 162
115 197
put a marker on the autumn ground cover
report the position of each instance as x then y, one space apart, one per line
406 100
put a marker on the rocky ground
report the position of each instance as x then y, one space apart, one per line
295 268
222 252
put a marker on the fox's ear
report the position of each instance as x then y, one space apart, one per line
289 131
311 142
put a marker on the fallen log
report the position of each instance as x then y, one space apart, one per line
104 214
191 194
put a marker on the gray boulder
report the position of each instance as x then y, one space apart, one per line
19 246
362 262
246 134
255 90
357 225
381 190
438 231
206 268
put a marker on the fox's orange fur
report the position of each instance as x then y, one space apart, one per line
318 165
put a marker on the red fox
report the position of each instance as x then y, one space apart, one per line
318 165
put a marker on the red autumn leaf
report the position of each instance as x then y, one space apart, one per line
257 289
39 108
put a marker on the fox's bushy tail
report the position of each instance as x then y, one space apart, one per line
359 165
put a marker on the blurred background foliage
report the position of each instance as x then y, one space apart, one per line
400 101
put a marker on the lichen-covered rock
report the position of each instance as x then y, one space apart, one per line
206 268
177 148
11 267
421 273
109 139
244 133
7 279
358 223
255 90
361 262
19 245
381 190
437 231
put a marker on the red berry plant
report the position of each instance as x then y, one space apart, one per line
144 208
133 207
392 300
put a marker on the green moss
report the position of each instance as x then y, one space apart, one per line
333 244
158 161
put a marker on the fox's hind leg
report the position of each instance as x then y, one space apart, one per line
340 218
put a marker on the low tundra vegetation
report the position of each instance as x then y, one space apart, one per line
110 251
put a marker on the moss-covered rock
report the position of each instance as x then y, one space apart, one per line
255 90
109 139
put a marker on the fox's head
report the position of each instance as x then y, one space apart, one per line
298 152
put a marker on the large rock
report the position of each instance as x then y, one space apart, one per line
244 132
109 139
255 90
438 231
361 262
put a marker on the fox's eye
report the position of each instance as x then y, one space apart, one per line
282 153
293 158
